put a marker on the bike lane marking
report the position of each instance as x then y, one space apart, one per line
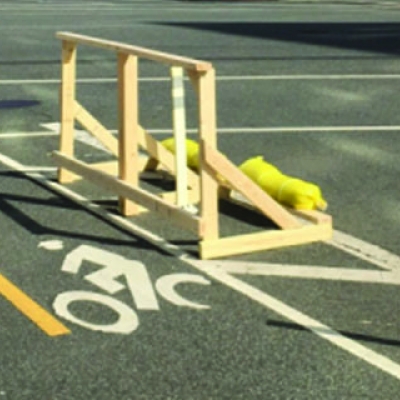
367 251
32 310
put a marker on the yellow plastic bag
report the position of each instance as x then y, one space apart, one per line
290 191
192 151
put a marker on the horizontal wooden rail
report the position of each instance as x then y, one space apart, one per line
146 199
159 56
265 240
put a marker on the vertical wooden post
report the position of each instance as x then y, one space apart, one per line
128 127
67 105
207 132
179 129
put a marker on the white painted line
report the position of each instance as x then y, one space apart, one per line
227 130
306 272
227 78
55 126
292 129
16 135
81 80
32 168
299 129
365 251
305 77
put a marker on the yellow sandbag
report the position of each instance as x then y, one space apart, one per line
285 189
192 151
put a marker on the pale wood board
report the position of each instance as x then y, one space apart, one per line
128 164
205 85
149 54
94 127
67 99
266 240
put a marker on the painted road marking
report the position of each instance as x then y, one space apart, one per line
108 278
365 251
226 78
114 267
32 310
16 135
307 272
323 331
89 139
126 323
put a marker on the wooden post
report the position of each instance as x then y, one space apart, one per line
67 105
128 127
179 129
207 132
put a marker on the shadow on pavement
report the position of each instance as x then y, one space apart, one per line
379 37
351 335
10 207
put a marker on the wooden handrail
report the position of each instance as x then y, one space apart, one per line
149 54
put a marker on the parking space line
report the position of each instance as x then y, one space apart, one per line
222 78
16 135
32 310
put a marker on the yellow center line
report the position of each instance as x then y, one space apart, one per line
32 310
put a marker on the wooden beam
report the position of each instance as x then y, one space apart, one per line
243 184
207 133
179 129
111 168
128 126
120 188
165 58
67 99
93 126
313 216
193 196
266 240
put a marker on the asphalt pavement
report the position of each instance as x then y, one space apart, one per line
96 306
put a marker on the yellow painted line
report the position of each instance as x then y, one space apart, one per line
32 310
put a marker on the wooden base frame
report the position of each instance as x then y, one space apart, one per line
216 176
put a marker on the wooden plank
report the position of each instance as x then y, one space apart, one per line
128 126
207 133
193 196
179 130
93 126
149 54
111 167
146 199
314 216
243 184
67 99
266 240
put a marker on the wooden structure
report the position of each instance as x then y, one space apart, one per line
216 176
